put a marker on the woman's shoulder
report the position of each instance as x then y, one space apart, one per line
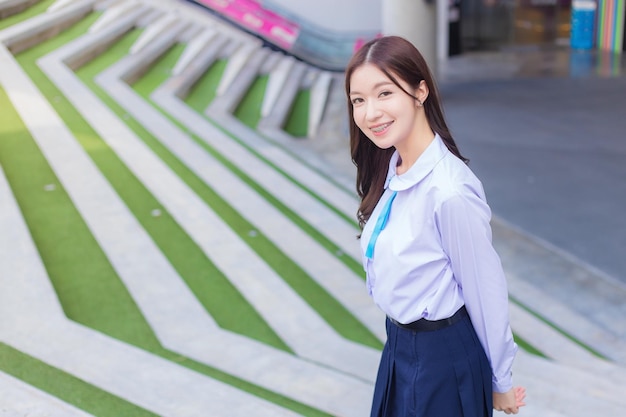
453 177
455 170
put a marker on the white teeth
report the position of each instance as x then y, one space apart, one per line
379 129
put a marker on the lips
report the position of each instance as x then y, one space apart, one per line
378 129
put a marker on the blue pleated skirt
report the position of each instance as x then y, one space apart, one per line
441 373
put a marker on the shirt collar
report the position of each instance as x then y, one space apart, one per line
419 170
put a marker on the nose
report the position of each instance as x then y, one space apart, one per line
372 111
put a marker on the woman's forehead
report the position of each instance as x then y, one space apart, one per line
368 75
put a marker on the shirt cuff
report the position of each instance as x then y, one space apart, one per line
504 385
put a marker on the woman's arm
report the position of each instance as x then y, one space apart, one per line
463 222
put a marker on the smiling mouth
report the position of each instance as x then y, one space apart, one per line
380 128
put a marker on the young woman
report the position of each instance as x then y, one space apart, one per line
426 239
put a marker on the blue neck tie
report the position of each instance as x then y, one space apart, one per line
380 225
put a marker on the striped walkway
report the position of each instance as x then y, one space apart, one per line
28 401
39 328
321 371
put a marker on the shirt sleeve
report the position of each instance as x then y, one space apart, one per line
463 222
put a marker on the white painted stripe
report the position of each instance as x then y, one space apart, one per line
318 99
290 317
193 49
18 399
59 4
277 78
40 23
234 65
234 354
328 271
552 343
113 13
154 30
34 324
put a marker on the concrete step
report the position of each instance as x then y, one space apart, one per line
11 7
565 292
114 13
320 90
291 376
561 389
44 26
193 49
196 67
232 95
19 399
236 62
282 88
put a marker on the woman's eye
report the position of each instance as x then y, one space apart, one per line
357 100
385 93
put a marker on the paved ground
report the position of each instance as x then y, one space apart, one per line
551 152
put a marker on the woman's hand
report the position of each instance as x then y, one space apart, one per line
509 401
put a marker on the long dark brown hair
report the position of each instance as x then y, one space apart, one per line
396 58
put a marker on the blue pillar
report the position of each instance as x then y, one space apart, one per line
583 24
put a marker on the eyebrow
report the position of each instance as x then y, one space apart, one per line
377 85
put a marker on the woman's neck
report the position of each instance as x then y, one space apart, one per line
413 149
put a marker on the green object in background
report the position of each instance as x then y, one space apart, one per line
249 109
204 90
298 120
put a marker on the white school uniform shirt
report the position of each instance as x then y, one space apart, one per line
435 253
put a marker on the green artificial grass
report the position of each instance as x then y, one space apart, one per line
66 387
203 91
348 218
324 241
197 100
206 281
88 288
100 403
208 284
558 329
528 347
249 109
260 392
298 119
78 269
79 262
331 310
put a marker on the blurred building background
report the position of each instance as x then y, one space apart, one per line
326 32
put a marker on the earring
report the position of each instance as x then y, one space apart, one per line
419 103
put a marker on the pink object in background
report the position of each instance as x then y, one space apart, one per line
250 14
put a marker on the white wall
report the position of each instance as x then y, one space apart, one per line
415 20
336 15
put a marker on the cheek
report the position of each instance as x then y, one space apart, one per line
357 116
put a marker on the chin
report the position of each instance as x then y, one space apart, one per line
382 144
